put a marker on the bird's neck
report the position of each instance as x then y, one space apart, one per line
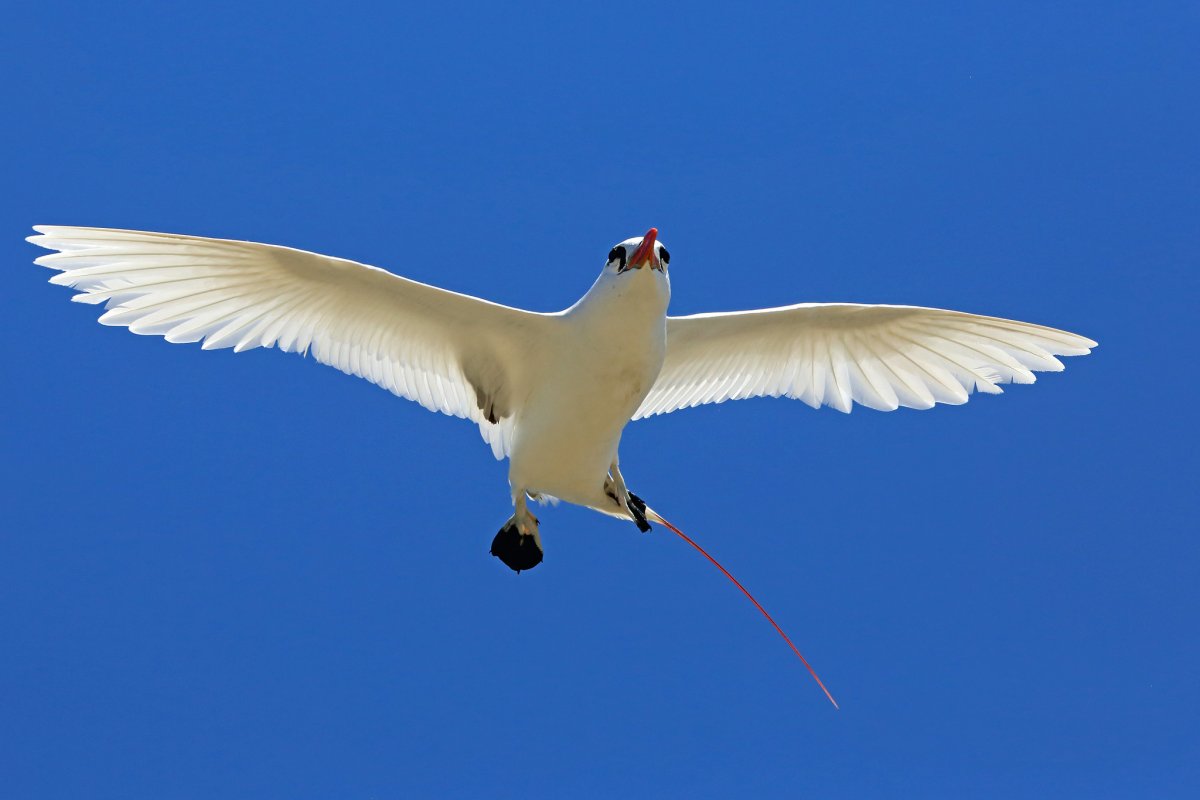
641 295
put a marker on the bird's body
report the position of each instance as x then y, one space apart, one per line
553 392
594 374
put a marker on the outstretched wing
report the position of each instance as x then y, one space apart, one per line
449 352
834 354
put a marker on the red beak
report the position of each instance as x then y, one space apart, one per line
645 252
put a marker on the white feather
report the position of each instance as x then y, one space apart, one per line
834 354
407 337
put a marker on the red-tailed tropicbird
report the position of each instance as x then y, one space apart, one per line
552 392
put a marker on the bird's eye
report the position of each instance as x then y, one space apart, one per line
617 254
664 256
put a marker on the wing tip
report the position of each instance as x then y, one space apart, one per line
44 231
1078 346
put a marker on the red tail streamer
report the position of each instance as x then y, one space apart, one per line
757 605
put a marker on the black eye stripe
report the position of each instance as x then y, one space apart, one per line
664 256
616 253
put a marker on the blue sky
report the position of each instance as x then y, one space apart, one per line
252 576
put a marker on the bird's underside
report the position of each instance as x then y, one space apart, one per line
552 392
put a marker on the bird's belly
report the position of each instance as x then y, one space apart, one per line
598 371
567 435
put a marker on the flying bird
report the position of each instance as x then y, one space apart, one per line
550 392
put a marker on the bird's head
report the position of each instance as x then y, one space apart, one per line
638 252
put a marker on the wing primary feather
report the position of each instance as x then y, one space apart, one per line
406 336
837 354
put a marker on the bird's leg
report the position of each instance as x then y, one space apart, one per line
519 544
614 486
616 489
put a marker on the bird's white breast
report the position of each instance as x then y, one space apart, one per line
609 350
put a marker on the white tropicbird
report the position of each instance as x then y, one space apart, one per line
552 392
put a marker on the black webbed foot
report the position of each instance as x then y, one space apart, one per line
637 507
518 551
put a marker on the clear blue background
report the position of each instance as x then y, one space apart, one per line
252 576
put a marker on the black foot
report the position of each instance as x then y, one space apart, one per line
637 507
517 551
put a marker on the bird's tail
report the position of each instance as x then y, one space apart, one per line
654 516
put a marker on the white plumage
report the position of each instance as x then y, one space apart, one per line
552 391
882 357
409 338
